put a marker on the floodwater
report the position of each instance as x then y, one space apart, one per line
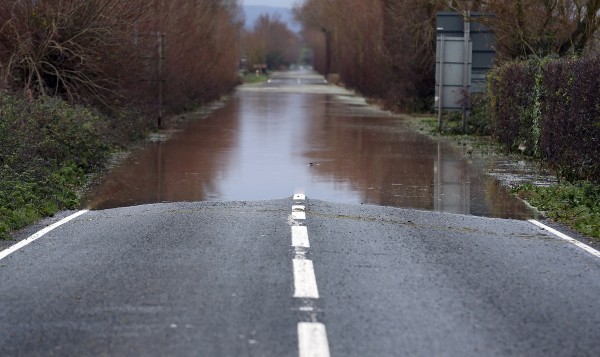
300 135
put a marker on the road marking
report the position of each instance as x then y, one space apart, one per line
312 336
583 246
312 340
298 215
305 283
300 237
39 234
306 309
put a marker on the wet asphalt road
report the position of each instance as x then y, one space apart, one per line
216 279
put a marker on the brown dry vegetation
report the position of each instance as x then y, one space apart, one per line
386 48
272 43
80 77
106 52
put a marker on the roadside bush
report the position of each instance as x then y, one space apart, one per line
511 104
47 146
550 109
82 51
571 117
479 123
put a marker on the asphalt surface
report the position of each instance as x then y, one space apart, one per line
216 279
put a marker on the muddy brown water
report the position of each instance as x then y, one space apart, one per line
297 134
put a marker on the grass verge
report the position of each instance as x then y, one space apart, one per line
47 149
574 204
252 78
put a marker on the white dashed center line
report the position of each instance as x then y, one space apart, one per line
312 340
300 237
312 336
298 212
305 283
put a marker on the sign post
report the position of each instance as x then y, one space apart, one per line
466 72
465 52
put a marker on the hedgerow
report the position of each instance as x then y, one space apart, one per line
550 109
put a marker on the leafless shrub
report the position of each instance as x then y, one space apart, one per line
78 50
105 52
271 42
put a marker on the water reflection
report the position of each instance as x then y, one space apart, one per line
269 141
186 168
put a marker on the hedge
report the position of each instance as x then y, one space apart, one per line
550 109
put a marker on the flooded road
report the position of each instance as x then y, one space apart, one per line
297 133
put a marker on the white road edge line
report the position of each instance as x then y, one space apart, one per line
312 340
305 283
39 234
583 246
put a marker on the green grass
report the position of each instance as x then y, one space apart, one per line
252 78
574 204
47 147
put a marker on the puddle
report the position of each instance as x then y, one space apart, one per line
287 136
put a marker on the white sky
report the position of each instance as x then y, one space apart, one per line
276 3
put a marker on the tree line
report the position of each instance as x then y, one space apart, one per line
270 42
386 48
80 78
114 53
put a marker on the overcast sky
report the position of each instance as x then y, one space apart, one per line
276 3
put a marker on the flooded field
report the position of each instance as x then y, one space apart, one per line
297 133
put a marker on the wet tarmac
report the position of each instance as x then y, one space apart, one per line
298 133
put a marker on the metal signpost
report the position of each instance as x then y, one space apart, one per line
465 53
453 75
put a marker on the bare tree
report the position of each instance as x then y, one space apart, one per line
106 51
271 42
61 47
537 27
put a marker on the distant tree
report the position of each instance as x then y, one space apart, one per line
383 48
538 27
105 52
68 48
386 48
271 42
319 30
202 48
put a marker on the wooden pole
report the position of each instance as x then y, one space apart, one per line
161 54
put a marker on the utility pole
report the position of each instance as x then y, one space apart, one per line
327 51
161 58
